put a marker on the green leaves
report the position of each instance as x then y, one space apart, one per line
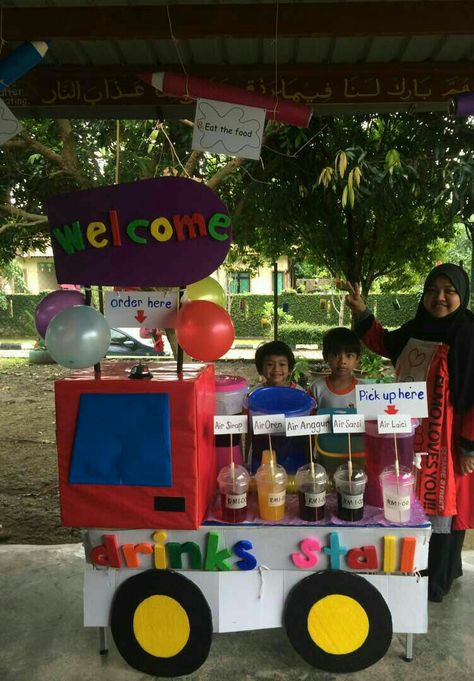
348 196
341 163
34 158
371 205
325 176
392 160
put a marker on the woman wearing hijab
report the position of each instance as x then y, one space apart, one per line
437 346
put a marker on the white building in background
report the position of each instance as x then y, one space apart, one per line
39 275
259 282
38 270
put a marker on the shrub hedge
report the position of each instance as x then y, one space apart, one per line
302 332
314 310
17 318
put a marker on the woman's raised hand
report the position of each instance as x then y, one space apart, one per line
466 464
354 300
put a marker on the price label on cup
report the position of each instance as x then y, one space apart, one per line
348 423
308 425
270 423
400 423
230 425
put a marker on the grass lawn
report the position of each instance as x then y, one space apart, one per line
9 363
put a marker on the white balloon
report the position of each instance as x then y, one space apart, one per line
78 337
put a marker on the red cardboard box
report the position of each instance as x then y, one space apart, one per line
136 453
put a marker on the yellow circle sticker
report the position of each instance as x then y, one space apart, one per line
338 624
161 626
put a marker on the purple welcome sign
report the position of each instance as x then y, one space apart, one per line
169 231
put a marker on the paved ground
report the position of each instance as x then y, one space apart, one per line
42 637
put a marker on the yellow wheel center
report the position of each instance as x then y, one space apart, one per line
338 624
161 626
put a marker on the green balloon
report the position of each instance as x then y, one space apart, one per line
207 289
78 337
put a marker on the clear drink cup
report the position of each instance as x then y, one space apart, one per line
350 491
233 481
397 493
311 482
271 481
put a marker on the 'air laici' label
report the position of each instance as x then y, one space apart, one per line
352 500
314 500
236 500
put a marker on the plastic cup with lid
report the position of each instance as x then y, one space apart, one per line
350 485
397 493
233 482
271 481
311 482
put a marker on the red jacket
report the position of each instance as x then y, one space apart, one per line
442 489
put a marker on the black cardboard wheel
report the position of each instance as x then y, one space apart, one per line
337 621
161 623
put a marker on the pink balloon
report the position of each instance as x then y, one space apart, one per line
52 304
204 330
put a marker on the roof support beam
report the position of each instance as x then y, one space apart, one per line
399 17
46 90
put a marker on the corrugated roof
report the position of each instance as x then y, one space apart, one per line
266 53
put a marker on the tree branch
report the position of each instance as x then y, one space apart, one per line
20 212
15 225
192 162
224 172
25 219
235 163
40 148
69 160
14 144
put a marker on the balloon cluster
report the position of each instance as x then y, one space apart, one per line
76 335
204 329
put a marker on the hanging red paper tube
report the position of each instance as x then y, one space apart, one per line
180 85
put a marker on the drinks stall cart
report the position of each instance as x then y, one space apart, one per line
339 588
137 461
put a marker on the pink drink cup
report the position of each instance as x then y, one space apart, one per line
397 493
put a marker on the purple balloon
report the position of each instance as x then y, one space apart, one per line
52 304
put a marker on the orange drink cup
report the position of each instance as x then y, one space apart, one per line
271 489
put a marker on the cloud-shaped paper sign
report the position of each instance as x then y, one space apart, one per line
9 125
235 131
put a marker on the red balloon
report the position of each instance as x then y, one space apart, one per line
204 330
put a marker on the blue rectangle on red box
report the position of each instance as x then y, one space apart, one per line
122 439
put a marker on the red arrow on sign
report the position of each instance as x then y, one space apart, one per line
391 409
140 316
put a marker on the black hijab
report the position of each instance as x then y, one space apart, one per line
455 330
